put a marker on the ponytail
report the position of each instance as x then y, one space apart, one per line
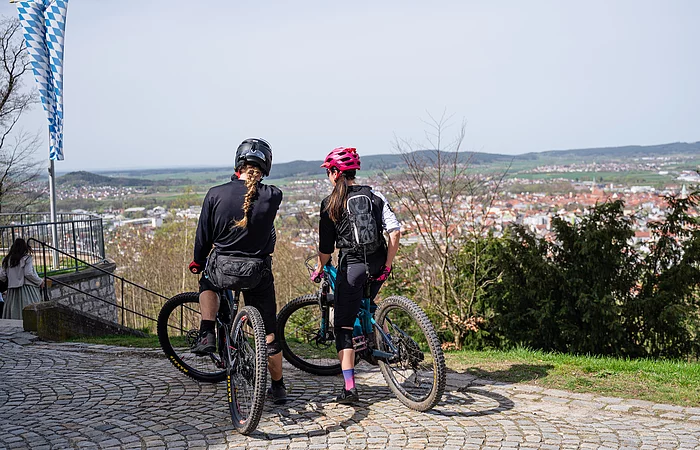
337 199
253 175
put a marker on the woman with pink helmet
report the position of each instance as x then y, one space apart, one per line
353 218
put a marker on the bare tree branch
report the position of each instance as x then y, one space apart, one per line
449 206
18 169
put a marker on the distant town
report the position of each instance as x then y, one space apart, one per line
534 207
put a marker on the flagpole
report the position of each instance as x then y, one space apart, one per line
52 205
52 209
44 24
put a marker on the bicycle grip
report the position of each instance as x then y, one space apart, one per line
195 268
316 276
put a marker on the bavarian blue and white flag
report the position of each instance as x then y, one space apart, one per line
44 23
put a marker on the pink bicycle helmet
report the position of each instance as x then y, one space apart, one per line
342 158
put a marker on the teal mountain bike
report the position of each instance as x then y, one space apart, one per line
396 335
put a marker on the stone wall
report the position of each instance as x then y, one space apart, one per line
53 321
92 281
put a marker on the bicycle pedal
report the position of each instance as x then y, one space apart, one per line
359 343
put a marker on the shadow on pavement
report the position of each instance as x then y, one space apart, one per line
450 400
316 410
516 373
468 400
463 402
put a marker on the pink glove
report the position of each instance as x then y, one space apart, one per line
316 276
384 274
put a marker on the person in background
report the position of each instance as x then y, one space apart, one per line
23 283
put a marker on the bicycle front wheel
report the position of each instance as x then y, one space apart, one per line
299 331
178 328
417 372
246 376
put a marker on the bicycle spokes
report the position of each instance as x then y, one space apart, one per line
408 358
415 370
409 351
178 330
242 371
246 374
306 342
302 333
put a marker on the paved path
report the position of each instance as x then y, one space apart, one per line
79 396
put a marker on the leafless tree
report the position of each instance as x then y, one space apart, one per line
17 165
291 276
448 204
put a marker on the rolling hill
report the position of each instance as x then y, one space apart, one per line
179 176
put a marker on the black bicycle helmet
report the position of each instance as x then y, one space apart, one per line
255 151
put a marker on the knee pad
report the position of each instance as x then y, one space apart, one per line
273 347
343 339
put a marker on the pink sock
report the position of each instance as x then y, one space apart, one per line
349 376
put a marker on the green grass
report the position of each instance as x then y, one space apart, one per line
150 341
675 382
40 270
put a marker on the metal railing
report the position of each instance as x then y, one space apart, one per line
80 236
126 292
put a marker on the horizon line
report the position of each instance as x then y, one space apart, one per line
108 170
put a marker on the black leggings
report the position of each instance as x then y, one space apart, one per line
349 283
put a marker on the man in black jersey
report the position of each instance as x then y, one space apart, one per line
237 219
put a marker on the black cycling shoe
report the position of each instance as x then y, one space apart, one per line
348 396
278 393
206 344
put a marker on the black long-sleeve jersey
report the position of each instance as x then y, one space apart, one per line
222 206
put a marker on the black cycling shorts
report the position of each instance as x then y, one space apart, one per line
261 297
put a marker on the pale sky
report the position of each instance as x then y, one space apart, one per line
171 83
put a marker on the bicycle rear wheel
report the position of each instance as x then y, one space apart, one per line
178 328
299 331
417 374
246 376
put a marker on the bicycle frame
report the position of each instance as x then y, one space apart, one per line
228 309
365 324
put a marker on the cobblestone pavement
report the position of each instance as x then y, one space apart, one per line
80 396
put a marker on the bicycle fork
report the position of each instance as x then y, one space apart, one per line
324 332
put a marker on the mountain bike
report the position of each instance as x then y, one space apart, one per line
396 335
240 358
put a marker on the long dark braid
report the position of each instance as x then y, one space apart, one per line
253 175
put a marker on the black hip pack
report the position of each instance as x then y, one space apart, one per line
236 272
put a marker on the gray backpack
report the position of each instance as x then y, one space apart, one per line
366 234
